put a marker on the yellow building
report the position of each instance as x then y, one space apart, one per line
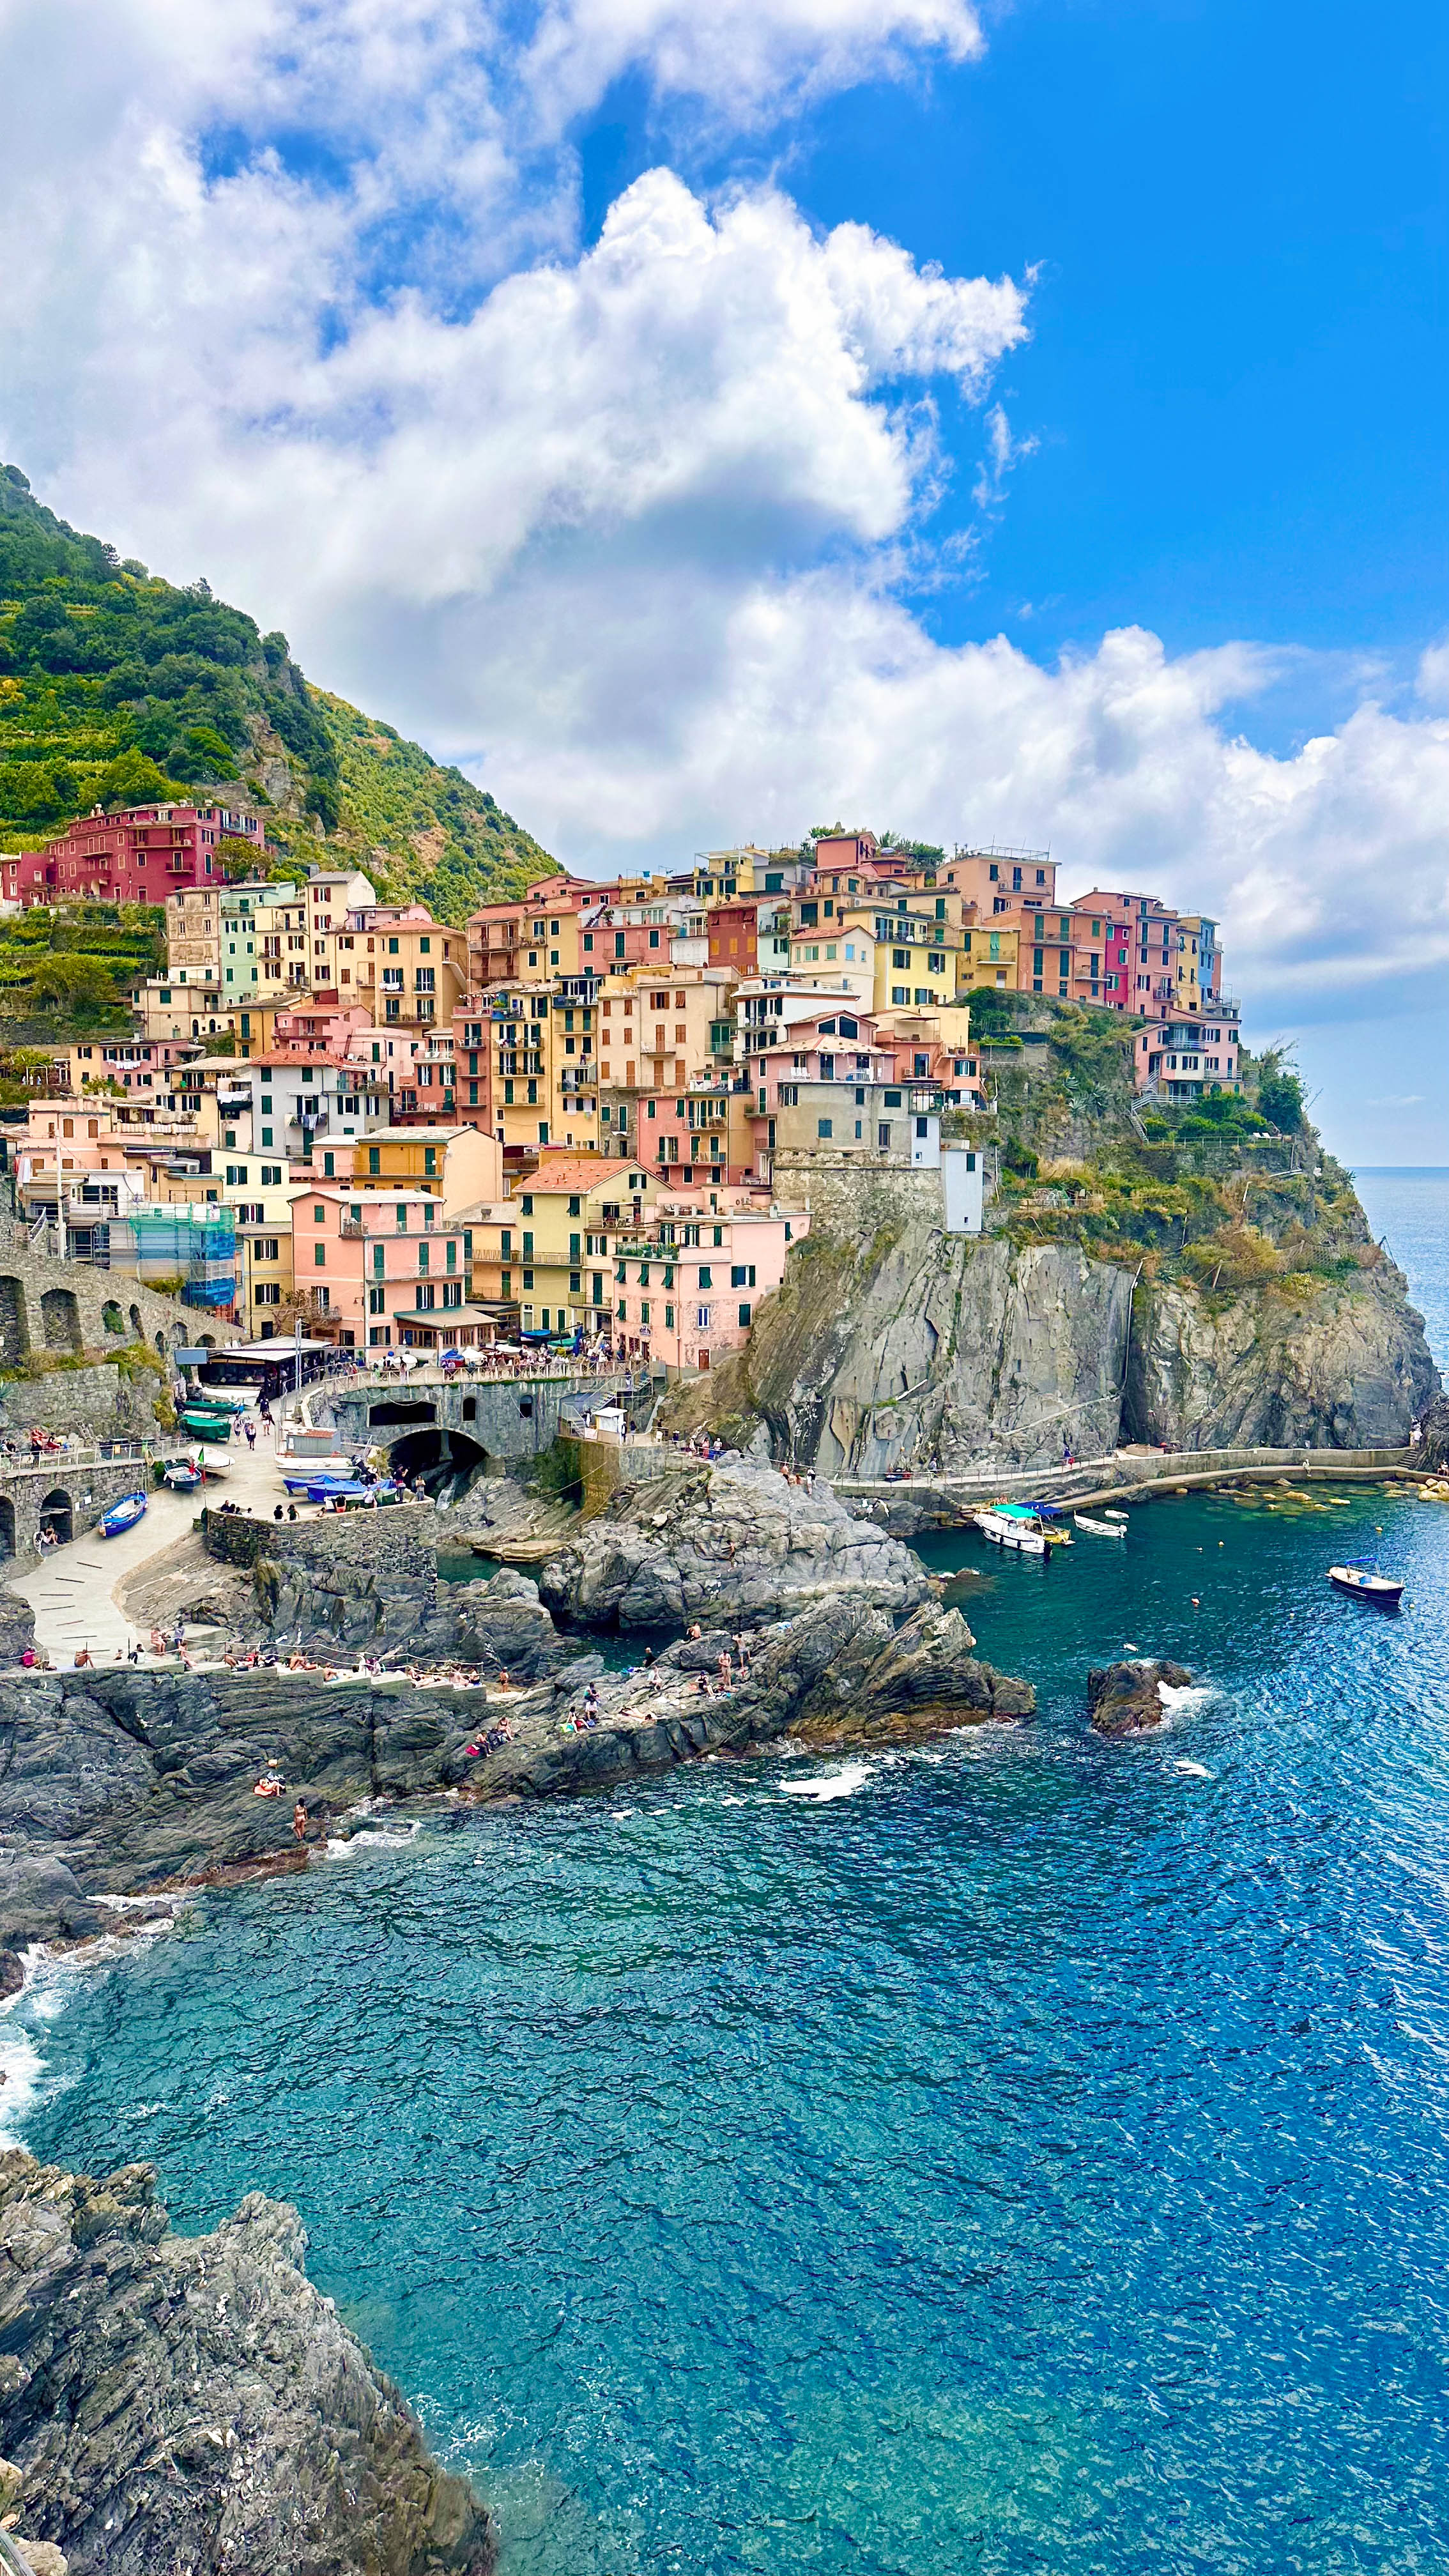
457 1165
990 957
550 1249
405 967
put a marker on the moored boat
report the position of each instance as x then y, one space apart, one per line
184 1477
1367 1584
123 1515
1006 1526
1099 1529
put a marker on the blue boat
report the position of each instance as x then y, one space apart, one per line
123 1515
350 1489
183 1478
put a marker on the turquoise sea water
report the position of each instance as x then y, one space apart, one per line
1032 2155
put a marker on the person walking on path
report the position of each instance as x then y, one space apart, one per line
251 1430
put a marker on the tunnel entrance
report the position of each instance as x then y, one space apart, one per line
447 1461
55 1515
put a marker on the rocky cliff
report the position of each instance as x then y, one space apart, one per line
1185 1280
195 2403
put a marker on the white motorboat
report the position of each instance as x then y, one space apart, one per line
1099 1529
1003 1529
1367 1585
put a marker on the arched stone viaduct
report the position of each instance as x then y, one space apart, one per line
67 1308
505 1418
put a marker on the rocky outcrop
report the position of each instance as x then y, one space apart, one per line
139 1779
725 1543
1330 1366
1126 1699
193 2402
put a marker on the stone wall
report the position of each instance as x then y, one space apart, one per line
67 1307
855 1199
61 1487
99 1401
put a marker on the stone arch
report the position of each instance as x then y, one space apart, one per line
60 1319
14 1322
137 1327
440 1456
7 1526
161 1344
112 1319
470 1408
55 1514
417 1411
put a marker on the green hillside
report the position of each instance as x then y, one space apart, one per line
115 685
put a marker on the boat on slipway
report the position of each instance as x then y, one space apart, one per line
1365 1583
123 1515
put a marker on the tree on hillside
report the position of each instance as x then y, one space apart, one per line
1280 1092
73 987
132 779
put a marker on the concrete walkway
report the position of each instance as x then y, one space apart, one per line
72 1589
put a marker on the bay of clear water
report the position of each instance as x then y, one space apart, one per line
1035 2156
1030 2155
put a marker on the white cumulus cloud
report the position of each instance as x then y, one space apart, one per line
623 527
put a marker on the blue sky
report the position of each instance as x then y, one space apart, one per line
1239 221
704 423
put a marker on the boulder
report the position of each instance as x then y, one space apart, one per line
1124 1699
728 1542
194 2402
40 1900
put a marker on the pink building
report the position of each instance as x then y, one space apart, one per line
319 1027
687 1292
386 1267
140 855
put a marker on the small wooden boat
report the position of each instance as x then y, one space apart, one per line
184 1477
1099 1529
1367 1585
1005 1527
123 1515
1109 1515
351 1489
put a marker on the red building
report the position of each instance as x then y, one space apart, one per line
734 937
140 855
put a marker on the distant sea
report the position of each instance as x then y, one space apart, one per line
1408 1210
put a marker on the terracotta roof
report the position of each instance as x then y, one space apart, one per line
576 1172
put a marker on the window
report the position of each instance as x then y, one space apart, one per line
706 1277
883 1136
319 1255
374 1160
744 1314
267 1292
824 1126
701 1319
377 1301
